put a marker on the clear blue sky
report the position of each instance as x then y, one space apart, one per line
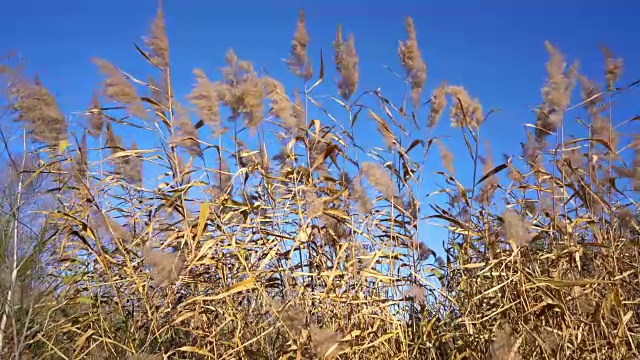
493 48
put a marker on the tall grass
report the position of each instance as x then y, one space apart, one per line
257 225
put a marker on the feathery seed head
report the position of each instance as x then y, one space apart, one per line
204 96
166 267
438 103
242 90
516 229
465 111
38 111
346 61
411 60
119 89
447 157
380 179
96 117
556 94
280 104
158 42
187 134
613 68
298 62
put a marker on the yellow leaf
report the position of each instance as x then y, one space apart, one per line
202 219
336 213
565 283
379 340
378 276
63 145
81 341
622 328
204 249
473 265
352 335
268 258
183 317
243 285
127 153
458 230
196 350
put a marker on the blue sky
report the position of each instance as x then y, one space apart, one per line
495 49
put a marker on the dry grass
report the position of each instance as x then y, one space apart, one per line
313 247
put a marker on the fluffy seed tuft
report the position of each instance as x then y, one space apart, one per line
346 61
411 60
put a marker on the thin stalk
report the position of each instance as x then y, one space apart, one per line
16 217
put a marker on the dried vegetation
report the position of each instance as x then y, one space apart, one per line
298 242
